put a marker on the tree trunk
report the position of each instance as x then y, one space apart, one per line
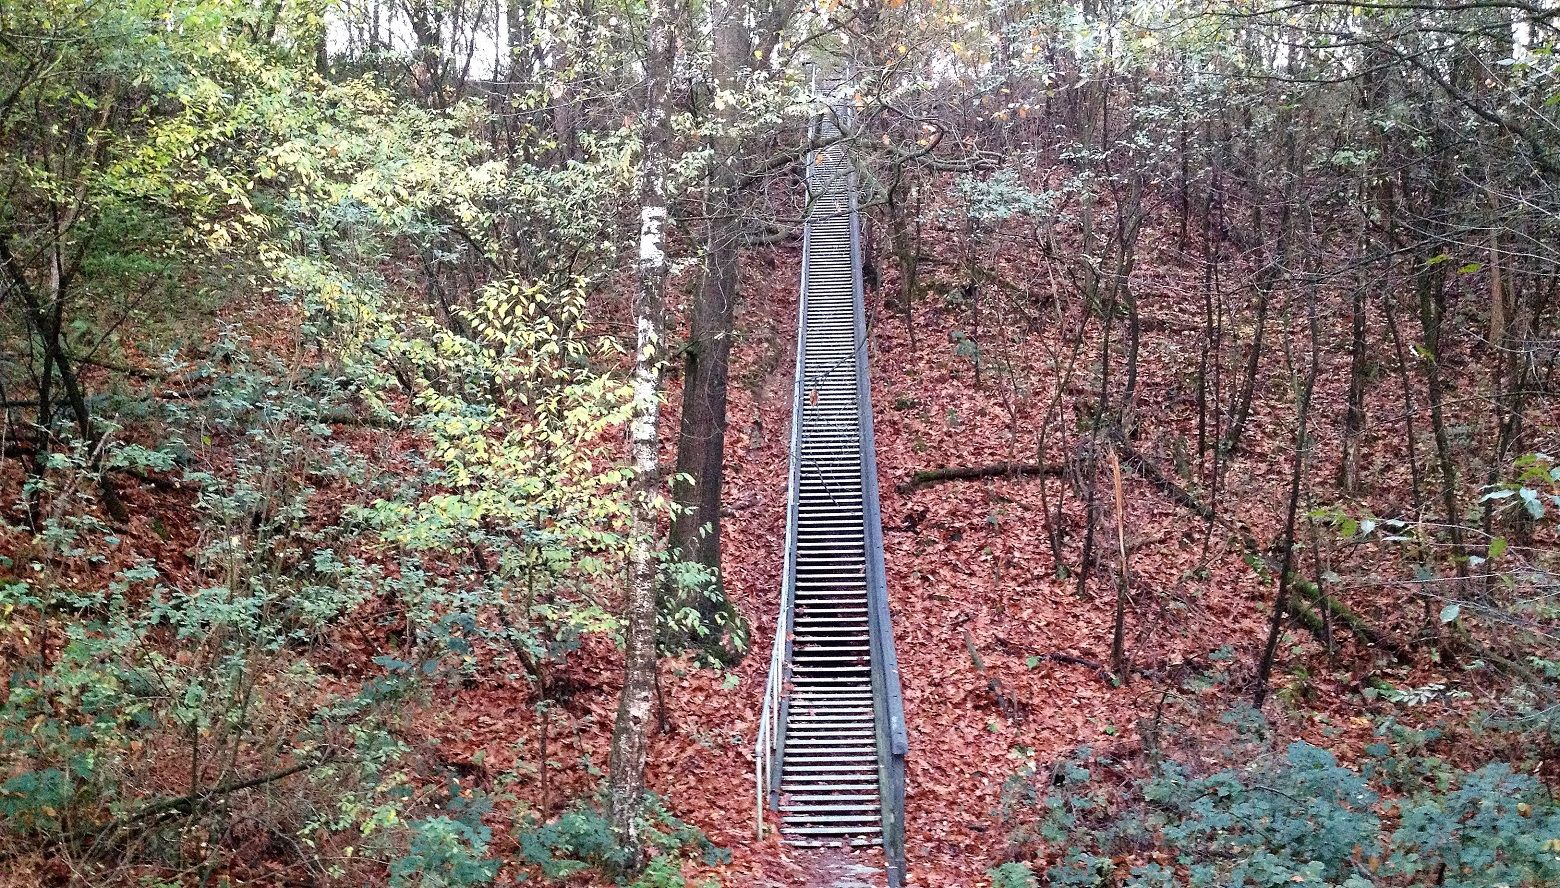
517 39
1240 411
1273 269
1091 494
1429 289
1354 411
630 734
48 324
906 248
701 449
1286 567
1118 636
701 445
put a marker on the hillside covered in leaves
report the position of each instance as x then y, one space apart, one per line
394 420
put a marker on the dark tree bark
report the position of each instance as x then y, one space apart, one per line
928 477
902 226
1354 409
701 444
1286 568
1430 290
1240 411
47 321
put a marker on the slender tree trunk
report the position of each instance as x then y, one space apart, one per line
1429 289
1061 374
517 39
1091 495
565 101
47 321
1410 438
1267 278
630 734
1354 410
1287 543
1118 637
1183 191
1241 410
902 241
1129 219
1210 358
904 229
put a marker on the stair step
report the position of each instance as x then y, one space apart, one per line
859 771
836 830
836 818
843 750
830 798
836 618
826 649
829 762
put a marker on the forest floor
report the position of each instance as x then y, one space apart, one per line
970 573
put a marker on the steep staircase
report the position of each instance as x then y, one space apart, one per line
832 738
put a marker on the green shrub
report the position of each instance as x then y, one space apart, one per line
445 852
581 839
1011 875
1295 818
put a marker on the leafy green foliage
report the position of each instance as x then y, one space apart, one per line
446 852
1535 488
203 169
1307 824
1001 196
1296 818
581 839
201 667
1012 875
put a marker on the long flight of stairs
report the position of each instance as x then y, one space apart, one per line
829 773
838 741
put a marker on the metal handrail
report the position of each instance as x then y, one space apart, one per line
770 744
893 737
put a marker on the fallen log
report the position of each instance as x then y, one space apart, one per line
1300 610
1303 614
1099 669
1341 613
1305 607
1149 470
928 477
